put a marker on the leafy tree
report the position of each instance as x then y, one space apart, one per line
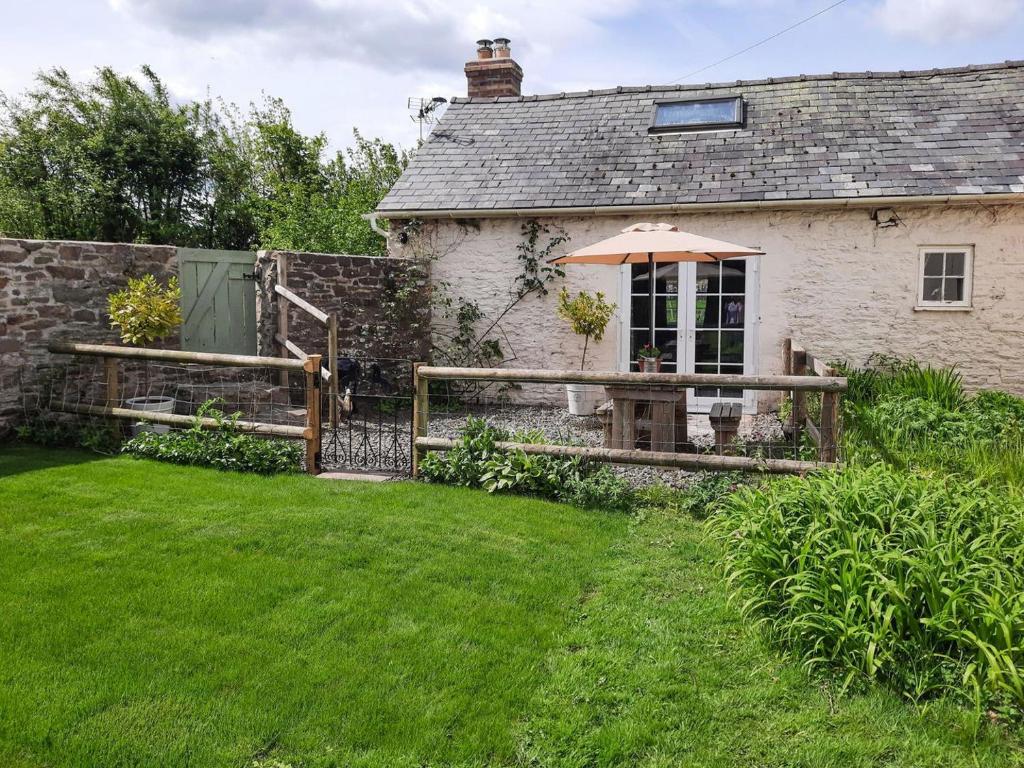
117 159
587 314
111 160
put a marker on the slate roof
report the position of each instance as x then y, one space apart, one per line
846 135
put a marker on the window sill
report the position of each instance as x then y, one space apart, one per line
939 308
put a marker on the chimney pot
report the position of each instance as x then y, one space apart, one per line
494 73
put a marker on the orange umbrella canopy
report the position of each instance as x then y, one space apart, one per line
655 244
643 243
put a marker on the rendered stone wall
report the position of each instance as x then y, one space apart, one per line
58 290
832 279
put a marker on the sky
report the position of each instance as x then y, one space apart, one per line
344 64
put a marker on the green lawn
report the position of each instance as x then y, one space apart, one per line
158 615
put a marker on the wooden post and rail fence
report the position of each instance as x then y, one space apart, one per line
829 386
289 349
112 356
797 361
796 381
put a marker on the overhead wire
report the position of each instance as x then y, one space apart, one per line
759 43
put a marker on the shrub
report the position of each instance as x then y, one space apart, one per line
700 499
145 312
476 462
587 314
875 574
886 376
101 436
979 438
221 447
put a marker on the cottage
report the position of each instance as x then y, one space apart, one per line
890 207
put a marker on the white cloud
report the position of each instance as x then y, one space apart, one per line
936 21
407 34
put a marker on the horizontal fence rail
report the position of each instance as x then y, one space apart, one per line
612 378
656 458
178 420
830 388
172 356
112 355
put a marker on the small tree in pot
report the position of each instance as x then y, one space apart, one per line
143 313
588 315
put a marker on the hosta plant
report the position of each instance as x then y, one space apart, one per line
477 462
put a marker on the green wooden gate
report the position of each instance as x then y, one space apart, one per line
218 301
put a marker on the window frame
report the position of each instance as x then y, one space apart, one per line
739 112
968 277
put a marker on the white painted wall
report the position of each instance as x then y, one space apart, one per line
831 279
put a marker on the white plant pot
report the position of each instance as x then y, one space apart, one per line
584 398
154 405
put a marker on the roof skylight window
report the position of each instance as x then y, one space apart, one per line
697 114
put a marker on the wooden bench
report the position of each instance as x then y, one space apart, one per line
725 420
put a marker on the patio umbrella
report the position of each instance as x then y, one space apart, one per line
655 244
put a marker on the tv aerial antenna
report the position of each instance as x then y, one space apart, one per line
425 111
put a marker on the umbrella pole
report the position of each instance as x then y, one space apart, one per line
650 287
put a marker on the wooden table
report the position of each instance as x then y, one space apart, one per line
668 416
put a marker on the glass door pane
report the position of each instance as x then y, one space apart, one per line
719 308
666 313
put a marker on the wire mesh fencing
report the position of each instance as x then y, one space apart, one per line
654 427
256 394
141 395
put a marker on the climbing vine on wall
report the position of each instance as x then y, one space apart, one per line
477 339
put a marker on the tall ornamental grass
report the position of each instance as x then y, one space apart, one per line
875 574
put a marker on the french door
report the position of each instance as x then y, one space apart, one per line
704 322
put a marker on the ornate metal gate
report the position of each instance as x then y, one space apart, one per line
374 423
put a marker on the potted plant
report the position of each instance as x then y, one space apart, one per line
146 312
588 316
648 359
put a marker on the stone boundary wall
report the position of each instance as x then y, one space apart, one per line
382 304
58 290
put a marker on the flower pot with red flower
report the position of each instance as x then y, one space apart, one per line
648 359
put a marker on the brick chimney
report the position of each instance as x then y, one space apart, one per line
494 72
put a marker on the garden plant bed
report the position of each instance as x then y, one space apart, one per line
156 614
383 439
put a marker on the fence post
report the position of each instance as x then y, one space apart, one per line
282 310
311 370
332 366
113 390
420 414
799 368
828 447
